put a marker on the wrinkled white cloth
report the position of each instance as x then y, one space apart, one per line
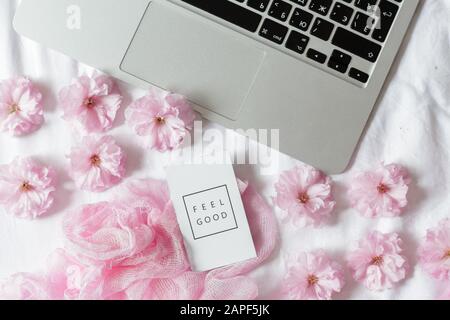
411 126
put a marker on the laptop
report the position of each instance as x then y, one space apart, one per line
311 68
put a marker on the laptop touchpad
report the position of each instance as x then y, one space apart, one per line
181 51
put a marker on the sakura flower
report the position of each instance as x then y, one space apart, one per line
162 119
381 192
434 253
24 286
97 164
26 188
312 276
91 102
21 110
304 193
377 261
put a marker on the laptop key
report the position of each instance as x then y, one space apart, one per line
341 13
363 23
301 19
300 2
316 56
230 12
280 10
273 31
339 61
356 44
260 5
358 75
322 29
297 42
320 6
388 12
365 4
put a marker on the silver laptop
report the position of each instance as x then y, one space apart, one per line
311 68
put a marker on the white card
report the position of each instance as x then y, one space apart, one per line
211 215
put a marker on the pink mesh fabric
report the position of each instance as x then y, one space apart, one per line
126 242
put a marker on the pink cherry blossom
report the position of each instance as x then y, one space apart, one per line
21 109
91 103
97 163
312 276
434 253
304 193
162 119
125 242
377 261
24 286
381 192
26 188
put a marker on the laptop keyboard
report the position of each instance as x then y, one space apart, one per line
342 37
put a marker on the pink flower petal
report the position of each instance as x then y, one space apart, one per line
377 261
381 192
434 252
21 108
305 194
97 163
161 119
26 188
91 103
312 276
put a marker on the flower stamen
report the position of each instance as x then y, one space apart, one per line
377 261
95 160
160 120
14 108
382 188
447 254
90 103
26 187
303 198
312 280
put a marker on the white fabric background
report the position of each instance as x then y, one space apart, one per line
411 126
